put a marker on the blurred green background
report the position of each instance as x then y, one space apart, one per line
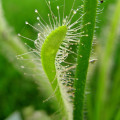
19 92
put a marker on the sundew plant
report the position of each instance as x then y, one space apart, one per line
73 56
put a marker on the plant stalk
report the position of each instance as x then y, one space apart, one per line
84 50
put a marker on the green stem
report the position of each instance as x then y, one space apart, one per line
83 56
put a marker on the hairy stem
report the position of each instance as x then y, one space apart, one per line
83 56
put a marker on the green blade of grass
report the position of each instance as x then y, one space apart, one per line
83 56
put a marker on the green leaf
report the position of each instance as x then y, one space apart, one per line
49 50
48 54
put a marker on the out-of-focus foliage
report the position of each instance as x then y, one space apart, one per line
17 91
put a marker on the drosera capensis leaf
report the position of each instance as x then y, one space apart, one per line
48 53
49 50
